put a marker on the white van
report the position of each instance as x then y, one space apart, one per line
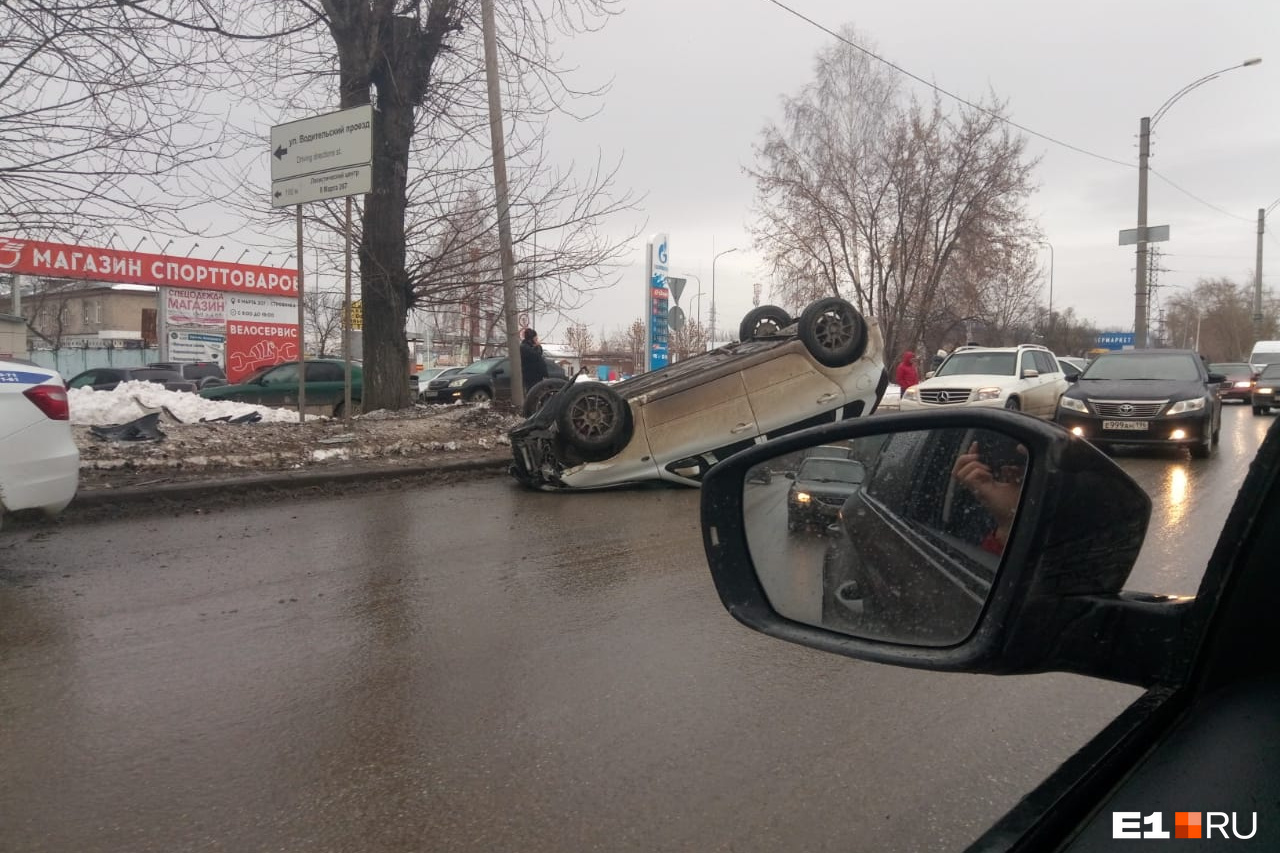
1264 353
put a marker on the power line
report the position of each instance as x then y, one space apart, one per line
1195 197
952 95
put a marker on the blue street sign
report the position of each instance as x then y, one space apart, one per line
1115 340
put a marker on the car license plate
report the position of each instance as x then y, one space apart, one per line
1126 426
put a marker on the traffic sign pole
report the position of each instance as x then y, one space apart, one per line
302 333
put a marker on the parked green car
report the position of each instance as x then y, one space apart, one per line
278 386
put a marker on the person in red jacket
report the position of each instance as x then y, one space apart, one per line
906 376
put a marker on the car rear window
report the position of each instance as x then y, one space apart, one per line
1174 367
154 373
982 363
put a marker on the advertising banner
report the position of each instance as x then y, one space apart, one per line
264 309
656 301
190 346
57 260
200 308
253 345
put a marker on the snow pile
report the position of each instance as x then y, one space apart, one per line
132 400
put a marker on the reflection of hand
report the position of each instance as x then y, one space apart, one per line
998 496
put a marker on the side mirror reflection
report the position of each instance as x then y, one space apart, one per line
899 540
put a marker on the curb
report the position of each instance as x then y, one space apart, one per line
278 480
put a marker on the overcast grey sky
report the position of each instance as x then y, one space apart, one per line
695 80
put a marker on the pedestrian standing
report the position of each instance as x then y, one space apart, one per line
906 375
533 367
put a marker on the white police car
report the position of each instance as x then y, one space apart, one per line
39 462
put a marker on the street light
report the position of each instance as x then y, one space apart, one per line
713 293
1050 247
699 293
1145 126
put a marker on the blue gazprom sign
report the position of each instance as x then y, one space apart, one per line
657 299
1115 340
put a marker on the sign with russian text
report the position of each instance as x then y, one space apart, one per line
58 260
190 346
254 345
186 307
656 301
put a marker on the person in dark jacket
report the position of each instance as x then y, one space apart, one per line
533 367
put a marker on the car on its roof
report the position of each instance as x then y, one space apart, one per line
107 378
1238 384
39 462
1027 378
278 385
674 423
1146 397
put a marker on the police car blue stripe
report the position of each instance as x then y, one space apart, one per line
22 377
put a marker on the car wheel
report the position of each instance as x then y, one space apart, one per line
594 420
833 331
340 410
763 321
1203 450
537 396
480 395
1258 410
1013 404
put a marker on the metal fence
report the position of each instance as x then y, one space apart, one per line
69 362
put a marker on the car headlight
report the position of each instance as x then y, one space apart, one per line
1184 406
802 497
1266 390
989 393
457 383
1073 404
911 394
1243 384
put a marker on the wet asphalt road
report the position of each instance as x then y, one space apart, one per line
477 668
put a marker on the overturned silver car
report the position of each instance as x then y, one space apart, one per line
675 423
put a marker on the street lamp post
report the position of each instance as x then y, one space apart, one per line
1145 126
713 293
1050 247
698 295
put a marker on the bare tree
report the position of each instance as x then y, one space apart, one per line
92 99
865 195
636 337
690 340
579 340
322 312
1217 315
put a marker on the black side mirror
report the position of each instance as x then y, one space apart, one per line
1072 377
1217 378
934 564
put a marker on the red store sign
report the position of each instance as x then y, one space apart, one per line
57 260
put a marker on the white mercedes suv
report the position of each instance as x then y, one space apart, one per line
1027 378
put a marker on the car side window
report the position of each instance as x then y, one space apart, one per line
324 372
1046 363
1028 362
285 374
84 380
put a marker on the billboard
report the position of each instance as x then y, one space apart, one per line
657 298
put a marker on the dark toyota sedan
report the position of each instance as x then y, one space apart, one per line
1153 397
1267 390
821 487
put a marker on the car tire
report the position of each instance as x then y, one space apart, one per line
542 391
833 332
1259 410
1013 404
1203 450
479 395
762 321
594 420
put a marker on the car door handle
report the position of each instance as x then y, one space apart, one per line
826 398
740 428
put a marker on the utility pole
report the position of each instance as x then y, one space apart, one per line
497 143
1140 285
1257 277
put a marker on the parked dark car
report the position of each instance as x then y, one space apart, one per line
479 382
107 378
1203 732
1151 397
278 386
427 393
205 374
819 488
1238 384
1266 390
